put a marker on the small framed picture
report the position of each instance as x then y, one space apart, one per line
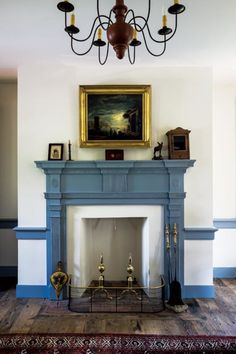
55 151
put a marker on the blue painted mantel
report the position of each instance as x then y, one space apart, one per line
158 182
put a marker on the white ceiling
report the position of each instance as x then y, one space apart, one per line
32 30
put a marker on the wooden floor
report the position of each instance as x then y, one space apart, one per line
203 317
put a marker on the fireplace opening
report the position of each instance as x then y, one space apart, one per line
115 232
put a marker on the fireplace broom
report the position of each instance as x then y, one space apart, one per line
175 298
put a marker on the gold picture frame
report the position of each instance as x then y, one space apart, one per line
115 116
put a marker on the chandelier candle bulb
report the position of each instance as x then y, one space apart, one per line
72 20
164 21
176 1
99 33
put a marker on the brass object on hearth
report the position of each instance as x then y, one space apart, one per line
151 298
101 268
130 279
59 279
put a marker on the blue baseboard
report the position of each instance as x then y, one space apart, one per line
224 272
32 291
199 291
8 271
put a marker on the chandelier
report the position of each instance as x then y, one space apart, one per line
122 27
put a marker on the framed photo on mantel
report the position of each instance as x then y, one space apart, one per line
55 151
115 116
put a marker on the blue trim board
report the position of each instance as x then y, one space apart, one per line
8 271
31 233
199 291
225 223
8 223
224 272
199 233
34 291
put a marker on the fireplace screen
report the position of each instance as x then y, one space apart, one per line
117 297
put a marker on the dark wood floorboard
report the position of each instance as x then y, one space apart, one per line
203 317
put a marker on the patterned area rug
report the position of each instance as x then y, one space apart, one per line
114 344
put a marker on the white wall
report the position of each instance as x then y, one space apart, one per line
8 170
224 171
198 257
48 112
224 129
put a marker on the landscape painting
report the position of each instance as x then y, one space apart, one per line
115 116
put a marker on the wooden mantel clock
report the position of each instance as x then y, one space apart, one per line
178 143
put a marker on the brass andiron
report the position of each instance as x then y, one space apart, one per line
130 270
101 268
130 279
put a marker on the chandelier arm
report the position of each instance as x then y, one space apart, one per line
173 33
156 40
132 21
149 51
107 17
91 31
132 61
139 28
99 55
140 17
77 53
65 19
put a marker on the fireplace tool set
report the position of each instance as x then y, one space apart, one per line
175 301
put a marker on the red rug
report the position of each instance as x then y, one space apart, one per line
114 344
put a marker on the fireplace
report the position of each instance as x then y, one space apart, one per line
115 232
72 186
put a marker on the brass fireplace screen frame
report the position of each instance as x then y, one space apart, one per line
120 299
